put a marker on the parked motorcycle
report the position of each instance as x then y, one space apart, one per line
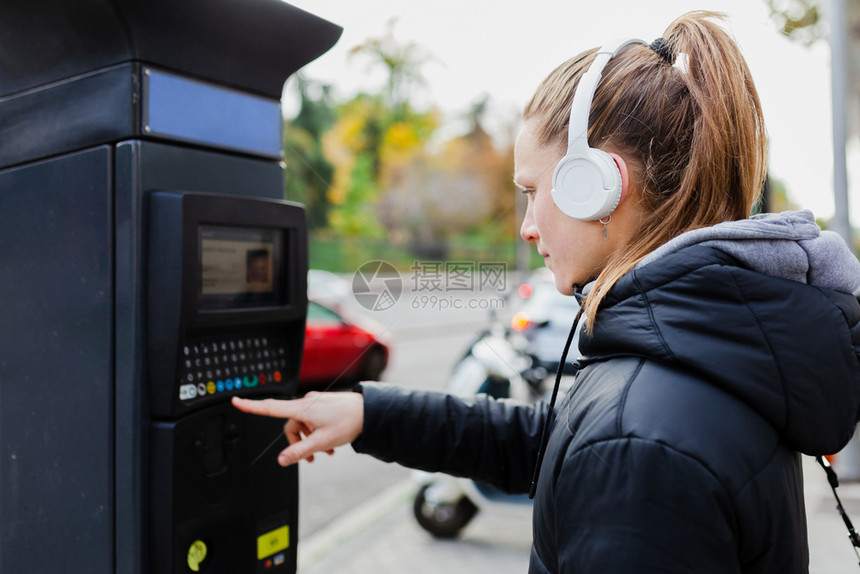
498 365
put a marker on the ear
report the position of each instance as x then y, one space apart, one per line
625 177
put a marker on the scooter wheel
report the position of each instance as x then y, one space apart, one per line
442 520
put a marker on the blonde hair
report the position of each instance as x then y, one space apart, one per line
692 133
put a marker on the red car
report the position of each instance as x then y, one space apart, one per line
338 352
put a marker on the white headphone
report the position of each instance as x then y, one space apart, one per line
586 183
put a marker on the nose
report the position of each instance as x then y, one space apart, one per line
528 229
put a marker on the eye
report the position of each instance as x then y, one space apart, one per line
529 192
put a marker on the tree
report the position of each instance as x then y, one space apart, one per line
403 63
308 172
495 166
464 187
377 135
802 21
387 180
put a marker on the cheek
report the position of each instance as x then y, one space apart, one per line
546 214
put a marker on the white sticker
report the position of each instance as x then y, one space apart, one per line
187 392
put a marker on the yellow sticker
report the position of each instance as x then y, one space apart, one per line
272 542
196 555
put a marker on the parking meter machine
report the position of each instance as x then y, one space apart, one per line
227 299
150 270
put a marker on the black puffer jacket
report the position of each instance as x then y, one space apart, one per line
676 449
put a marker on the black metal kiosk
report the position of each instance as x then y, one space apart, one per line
149 270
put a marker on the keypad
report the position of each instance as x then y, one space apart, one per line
221 365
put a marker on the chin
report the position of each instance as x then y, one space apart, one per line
564 287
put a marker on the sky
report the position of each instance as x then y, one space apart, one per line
504 49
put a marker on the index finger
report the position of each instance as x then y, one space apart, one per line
282 409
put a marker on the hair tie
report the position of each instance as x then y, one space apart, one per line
662 48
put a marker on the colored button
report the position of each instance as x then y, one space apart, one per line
277 376
210 388
273 542
262 378
196 555
250 381
201 390
228 384
237 383
220 386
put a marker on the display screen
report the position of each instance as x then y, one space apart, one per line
241 267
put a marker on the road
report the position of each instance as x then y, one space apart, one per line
427 340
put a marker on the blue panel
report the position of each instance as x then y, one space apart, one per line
180 108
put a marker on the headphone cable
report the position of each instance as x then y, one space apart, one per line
544 435
833 480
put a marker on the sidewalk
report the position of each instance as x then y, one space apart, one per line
382 537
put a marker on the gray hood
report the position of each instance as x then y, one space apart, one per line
788 245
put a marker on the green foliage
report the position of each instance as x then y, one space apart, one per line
800 20
402 63
308 172
354 215
774 198
339 254
365 171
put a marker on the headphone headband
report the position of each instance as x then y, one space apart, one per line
577 132
586 183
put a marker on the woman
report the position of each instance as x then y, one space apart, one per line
715 348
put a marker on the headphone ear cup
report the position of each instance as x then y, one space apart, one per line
587 184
